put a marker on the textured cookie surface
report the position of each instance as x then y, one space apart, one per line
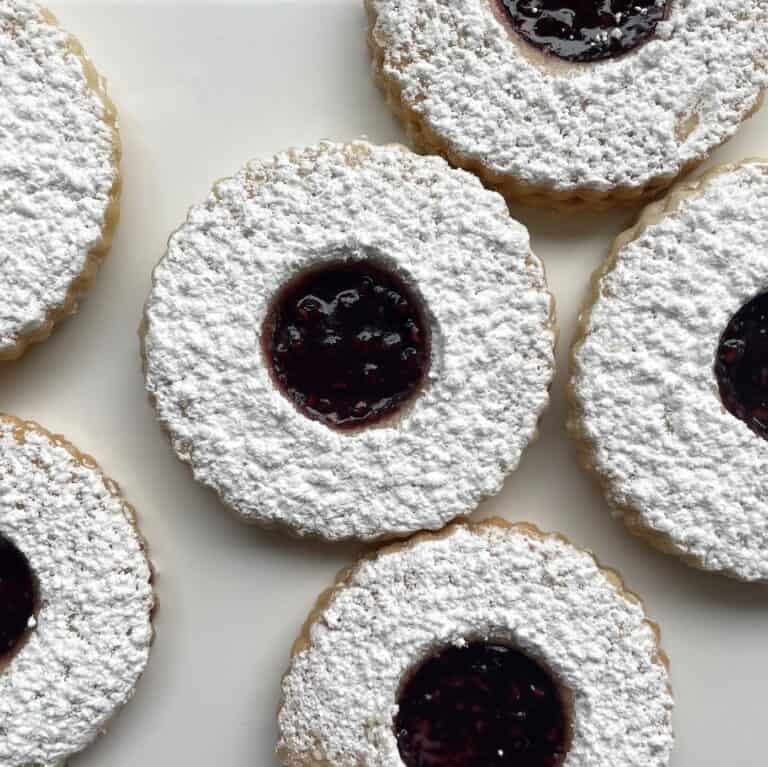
533 126
92 632
58 174
507 583
680 468
485 297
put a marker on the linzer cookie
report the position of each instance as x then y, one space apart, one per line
350 341
571 104
76 598
670 374
489 645
58 174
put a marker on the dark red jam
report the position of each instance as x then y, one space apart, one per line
348 343
17 597
482 705
585 30
741 366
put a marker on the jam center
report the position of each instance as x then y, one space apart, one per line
17 598
481 705
348 343
741 367
585 30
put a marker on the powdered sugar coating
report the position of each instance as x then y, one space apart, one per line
542 594
93 630
57 170
647 400
486 300
626 123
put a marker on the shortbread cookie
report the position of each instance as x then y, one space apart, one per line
489 645
351 341
670 373
59 177
76 598
561 103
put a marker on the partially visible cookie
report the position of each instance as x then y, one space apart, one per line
350 341
486 645
669 385
571 105
76 598
59 174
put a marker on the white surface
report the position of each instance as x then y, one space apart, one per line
200 89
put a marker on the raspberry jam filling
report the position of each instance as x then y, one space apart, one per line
741 366
481 705
585 30
348 343
17 598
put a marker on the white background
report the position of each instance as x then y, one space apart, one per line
200 89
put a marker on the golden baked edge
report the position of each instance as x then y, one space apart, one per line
354 151
345 576
585 447
513 189
80 286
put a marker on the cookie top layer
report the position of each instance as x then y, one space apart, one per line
669 453
484 295
58 171
510 584
92 631
496 100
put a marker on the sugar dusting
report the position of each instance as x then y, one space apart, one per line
589 127
455 245
542 594
57 170
90 640
645 386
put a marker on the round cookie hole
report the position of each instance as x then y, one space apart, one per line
741 365
348 343
485 704
18 599
585 30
